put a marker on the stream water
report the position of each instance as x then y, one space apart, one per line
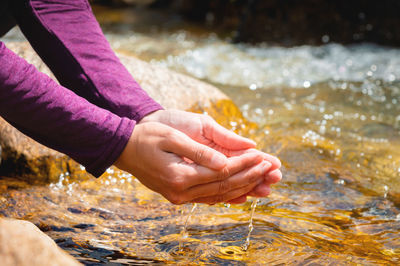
331 114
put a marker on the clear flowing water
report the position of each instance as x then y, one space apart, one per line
184 233
330 113
251 227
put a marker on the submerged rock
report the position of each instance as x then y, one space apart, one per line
22 243
24 158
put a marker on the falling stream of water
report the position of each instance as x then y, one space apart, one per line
184 233
251 227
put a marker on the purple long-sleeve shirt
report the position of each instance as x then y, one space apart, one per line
92 115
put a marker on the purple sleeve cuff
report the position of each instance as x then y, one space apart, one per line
114 149
57 117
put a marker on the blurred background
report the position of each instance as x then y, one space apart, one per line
286 22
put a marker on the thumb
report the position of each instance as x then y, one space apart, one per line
225 138
184 146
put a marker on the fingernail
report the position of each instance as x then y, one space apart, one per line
266 167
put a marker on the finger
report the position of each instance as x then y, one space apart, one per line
273 177
224 137
239 200
224 187
262 190
276 163
197 175
180 144
233 194
238 180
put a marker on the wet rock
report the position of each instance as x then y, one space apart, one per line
169 88
24 158
22 243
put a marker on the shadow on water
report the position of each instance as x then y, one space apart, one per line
90 255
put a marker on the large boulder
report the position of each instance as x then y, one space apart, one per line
24 158
22 243
27 159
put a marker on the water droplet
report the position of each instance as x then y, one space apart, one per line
258 111
386 190
210 18
306 84
340 182
288 106
349 62
325 38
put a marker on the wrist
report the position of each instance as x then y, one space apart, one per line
152 117
126 156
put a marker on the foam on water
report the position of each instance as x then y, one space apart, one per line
303 66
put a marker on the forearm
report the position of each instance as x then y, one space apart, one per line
57 117
69 40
